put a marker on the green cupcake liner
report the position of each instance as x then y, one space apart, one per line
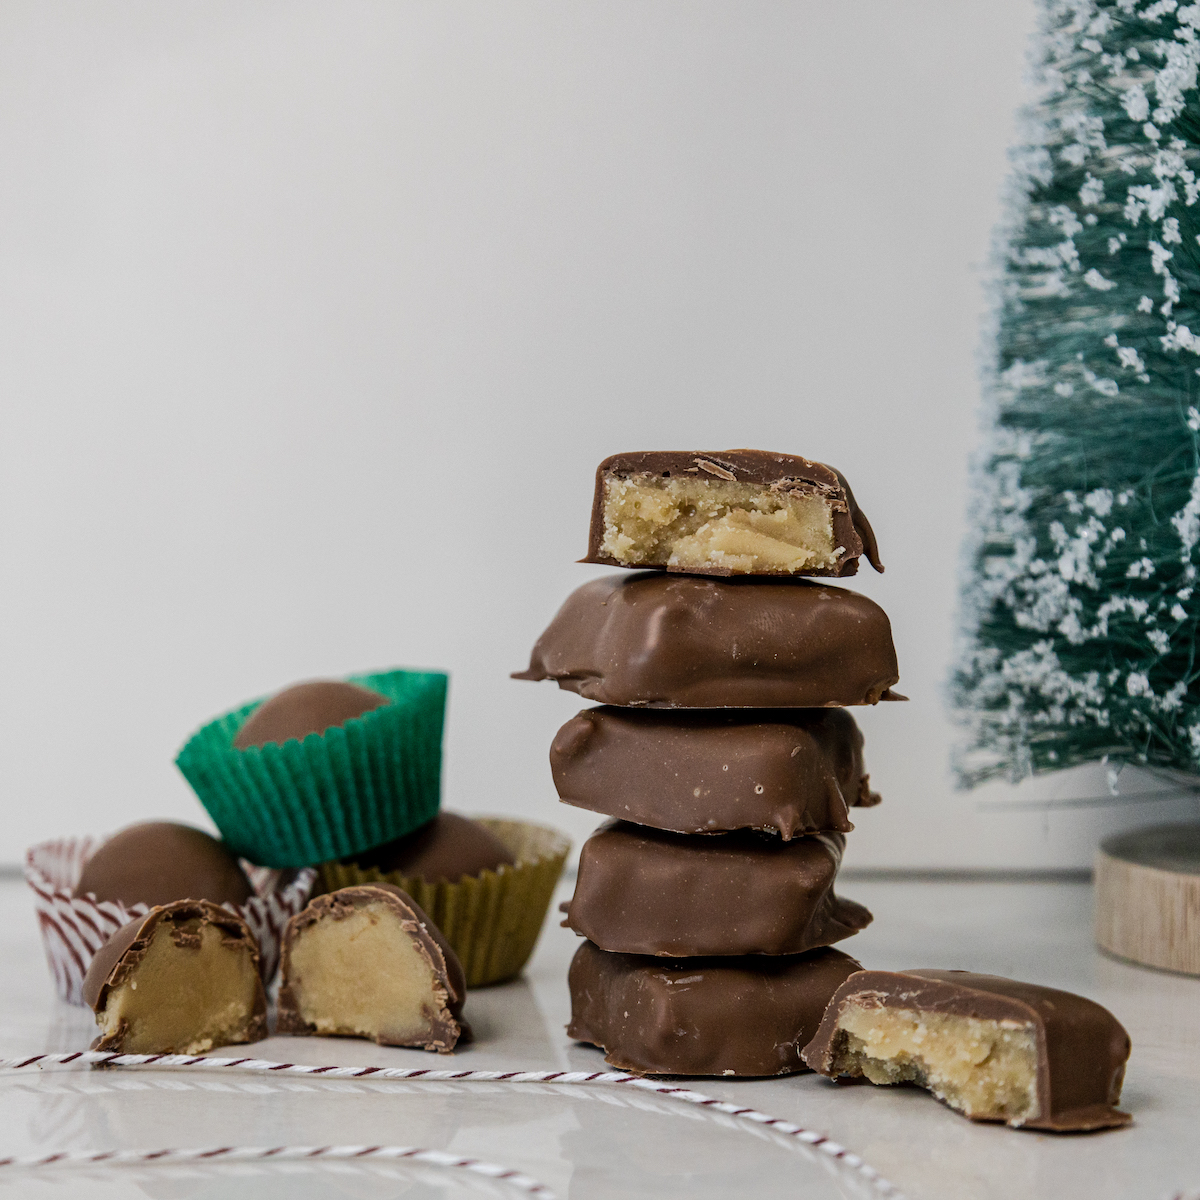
375 778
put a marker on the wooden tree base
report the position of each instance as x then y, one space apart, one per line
1148 897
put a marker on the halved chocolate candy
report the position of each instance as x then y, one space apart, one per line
734 512
681 641
180 980
992 1048
367 962
789 772
642 891
702 1016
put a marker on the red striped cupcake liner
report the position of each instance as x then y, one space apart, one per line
73 928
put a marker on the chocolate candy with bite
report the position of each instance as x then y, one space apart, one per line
183 979
367 962
735 512
789 772
702 1016
682 641
992 1048
642 891
306 708
157 862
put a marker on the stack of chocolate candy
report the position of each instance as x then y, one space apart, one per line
724 752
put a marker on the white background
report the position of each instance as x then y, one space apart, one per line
315 319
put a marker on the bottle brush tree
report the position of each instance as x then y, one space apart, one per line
1080 597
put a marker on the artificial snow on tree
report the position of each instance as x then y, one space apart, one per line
1080 601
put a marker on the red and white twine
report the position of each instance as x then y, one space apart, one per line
241 1154
809 1137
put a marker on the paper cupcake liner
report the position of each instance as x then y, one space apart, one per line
74 928
352 787
491 919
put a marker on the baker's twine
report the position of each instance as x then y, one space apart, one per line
100 1058
211 1154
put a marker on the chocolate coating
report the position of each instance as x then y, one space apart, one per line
446 1032
306 708
1082 1047
99 974
686 641
157 862
780 472
642 891
702 1016
447 848
789 772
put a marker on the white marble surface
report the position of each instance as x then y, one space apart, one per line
587 1142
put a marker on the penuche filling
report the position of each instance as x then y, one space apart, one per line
184 996
363 975
685 522
986 1069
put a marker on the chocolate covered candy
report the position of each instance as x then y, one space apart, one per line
447 848
306 708
729 513
160 861
702 1016
367 962
785 772
180 980
992 1048
682 641
643 891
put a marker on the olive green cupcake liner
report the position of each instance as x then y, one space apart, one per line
373 779
491 919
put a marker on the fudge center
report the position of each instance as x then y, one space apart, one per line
980 1067
336 996
687 522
